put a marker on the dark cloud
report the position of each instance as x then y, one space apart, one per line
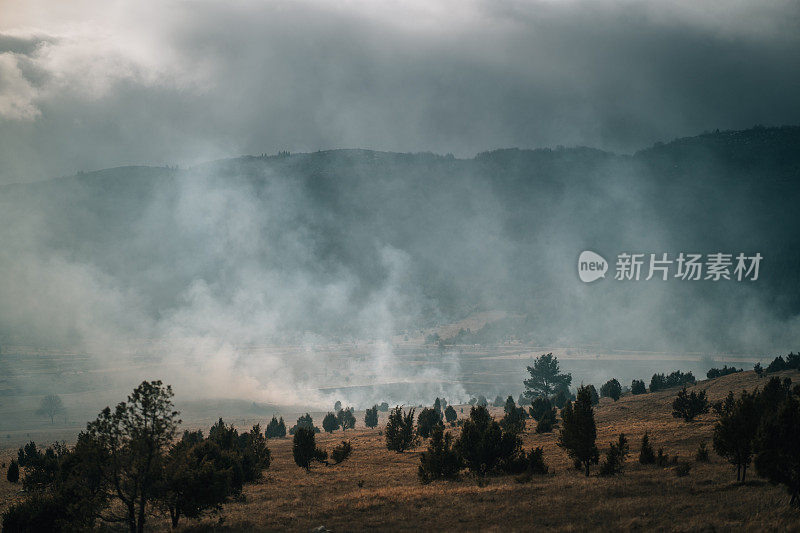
207 80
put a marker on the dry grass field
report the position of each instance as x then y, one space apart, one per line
378 490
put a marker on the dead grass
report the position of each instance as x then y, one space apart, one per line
391 499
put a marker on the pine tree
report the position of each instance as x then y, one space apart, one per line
330 423
646 454
12 475
778 458
304 448
579 433
371 417
441 460
546 377
735 433
450 414
611 389
400 430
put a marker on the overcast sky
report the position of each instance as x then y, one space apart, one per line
94 84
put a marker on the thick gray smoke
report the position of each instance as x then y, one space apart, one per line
280 279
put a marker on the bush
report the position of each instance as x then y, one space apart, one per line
371 417
198 475
40 512
249 449
275 429
484 446
547 422
758 369
688 406
304 448
612 464
724 371
12 475
383 407
427 420
702 453
637 387
330 423
441 460
400 430
341 452
450 414
646 454
611 389
536 464
675 379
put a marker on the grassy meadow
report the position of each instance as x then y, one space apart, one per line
376 489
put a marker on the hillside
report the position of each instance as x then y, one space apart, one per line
390 498
429 239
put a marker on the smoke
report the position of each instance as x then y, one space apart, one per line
297 279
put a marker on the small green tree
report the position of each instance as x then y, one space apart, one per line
579 431
646 454
440 461
400 430
593 394
347 419
276 429
611 389
778 457
615 458
638 387
426 421
689 405
484 446
371 417
330 423
304 449
514 418
12 474
437 406
450 414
